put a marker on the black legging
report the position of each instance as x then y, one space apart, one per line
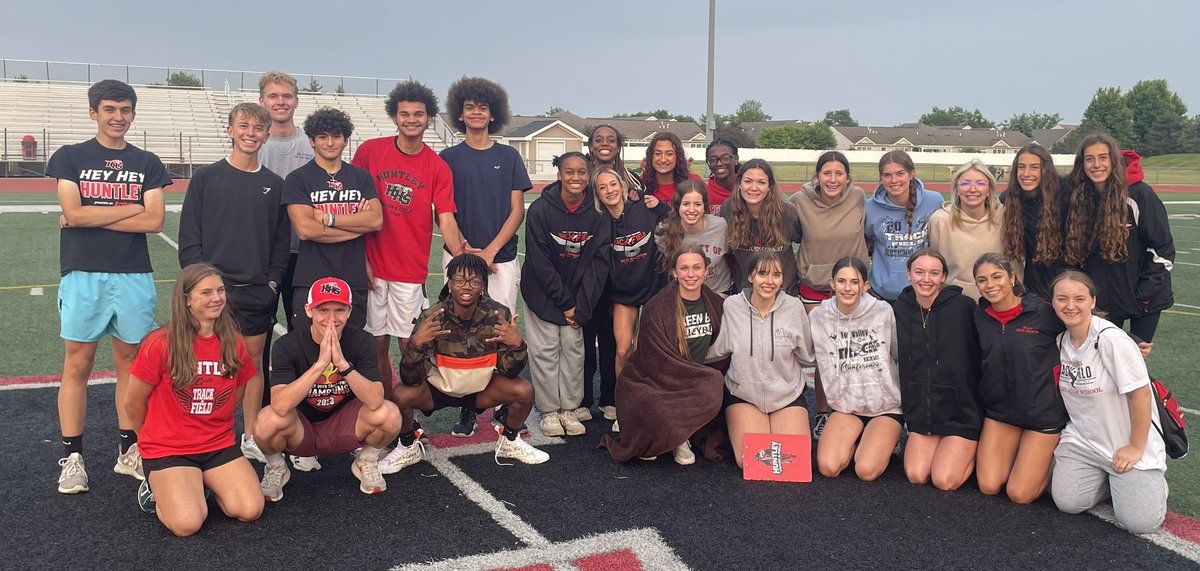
600 329
1142 327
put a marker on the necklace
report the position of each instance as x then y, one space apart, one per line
925 313
333 182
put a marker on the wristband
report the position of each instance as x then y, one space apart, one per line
349 369
332 220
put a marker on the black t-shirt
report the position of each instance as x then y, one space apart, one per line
295 352
697 328
106 177
310 185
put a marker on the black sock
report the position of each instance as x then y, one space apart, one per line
511 434
126 438
407 438
73 444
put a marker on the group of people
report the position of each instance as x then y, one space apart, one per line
707 307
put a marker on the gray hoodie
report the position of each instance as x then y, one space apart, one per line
856 355
766 352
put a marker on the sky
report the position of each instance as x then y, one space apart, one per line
888 62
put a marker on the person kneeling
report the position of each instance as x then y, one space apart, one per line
326 395
467 352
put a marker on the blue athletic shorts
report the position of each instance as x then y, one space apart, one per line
94 304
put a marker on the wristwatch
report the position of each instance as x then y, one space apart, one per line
349 369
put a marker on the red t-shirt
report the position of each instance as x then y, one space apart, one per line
666 192
409 187
717 195
1004 316
195 420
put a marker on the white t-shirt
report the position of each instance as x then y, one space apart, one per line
1095 384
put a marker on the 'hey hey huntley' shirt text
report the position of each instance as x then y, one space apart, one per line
339 194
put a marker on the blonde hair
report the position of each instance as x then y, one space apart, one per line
276 77
990 205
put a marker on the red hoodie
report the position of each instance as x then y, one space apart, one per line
1133 168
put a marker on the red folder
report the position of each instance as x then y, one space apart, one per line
777 457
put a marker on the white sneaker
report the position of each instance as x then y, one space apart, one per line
570 424
684 455
402 457
251 451
616 427
130 463
610 412
367 471
273 480
518 450
73 478
583 414
305 463
551 424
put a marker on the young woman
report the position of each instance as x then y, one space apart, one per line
855 338
688 224
634 277
666 393
666 166
969 225
566 266
1119 235
939 374
604 150
722 158
187 379
1023 410
759 220
1034 211
1109 448
897 222
766 335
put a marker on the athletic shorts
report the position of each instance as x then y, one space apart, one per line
334 435
203 462
896 417
392 308
253 307
442 400
811 296
301 320
729 400
94 304
504 286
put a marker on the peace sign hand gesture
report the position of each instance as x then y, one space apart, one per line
506 332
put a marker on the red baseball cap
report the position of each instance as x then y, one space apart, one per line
326 290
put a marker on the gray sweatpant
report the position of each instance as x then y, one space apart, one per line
555 364
1081 481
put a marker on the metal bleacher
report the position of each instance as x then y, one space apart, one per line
183 126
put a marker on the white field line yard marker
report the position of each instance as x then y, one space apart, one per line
485 500
37 291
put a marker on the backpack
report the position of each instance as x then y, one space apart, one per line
1170 417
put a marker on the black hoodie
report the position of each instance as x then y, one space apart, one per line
1019 385
635 278
566 257
939 364
1038 275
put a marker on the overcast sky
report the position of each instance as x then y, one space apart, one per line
888 62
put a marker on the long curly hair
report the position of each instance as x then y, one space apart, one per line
184 328
1098 214
680 174
670 232
905 161
770 222
1049 233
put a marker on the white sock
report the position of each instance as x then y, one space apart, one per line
368 454
275 460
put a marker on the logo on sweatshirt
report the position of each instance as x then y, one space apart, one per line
631 246
572 242
114 164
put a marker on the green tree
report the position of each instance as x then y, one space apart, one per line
341 89
660 114
1164 137
952 116
1027 122
736 135
554 110
1108 112
840 118
1189 139
313 86
811 136
1151 102
183 79
750 111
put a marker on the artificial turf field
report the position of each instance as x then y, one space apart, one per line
579 511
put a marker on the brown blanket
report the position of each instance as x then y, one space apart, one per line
663 398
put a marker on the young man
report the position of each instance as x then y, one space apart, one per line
490 181
331 204
111 197
285 151
467 352
232 218
410 180
326 397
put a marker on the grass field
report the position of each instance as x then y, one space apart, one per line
31 347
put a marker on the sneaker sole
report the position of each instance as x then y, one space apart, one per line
127 471
575 432
72 490
362 486
298 467
388 470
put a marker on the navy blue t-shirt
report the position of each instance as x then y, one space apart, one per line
106 177
483 185
311 186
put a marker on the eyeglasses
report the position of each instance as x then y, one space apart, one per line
966 184
725 160
473 282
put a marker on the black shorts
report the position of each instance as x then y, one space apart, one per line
253 307
442 400
204 462
729 399
896 417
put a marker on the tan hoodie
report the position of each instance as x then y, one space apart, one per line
830 233
963 245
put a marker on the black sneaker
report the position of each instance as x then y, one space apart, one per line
466 426
500 419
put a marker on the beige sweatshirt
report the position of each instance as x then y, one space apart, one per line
830 233
962 245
